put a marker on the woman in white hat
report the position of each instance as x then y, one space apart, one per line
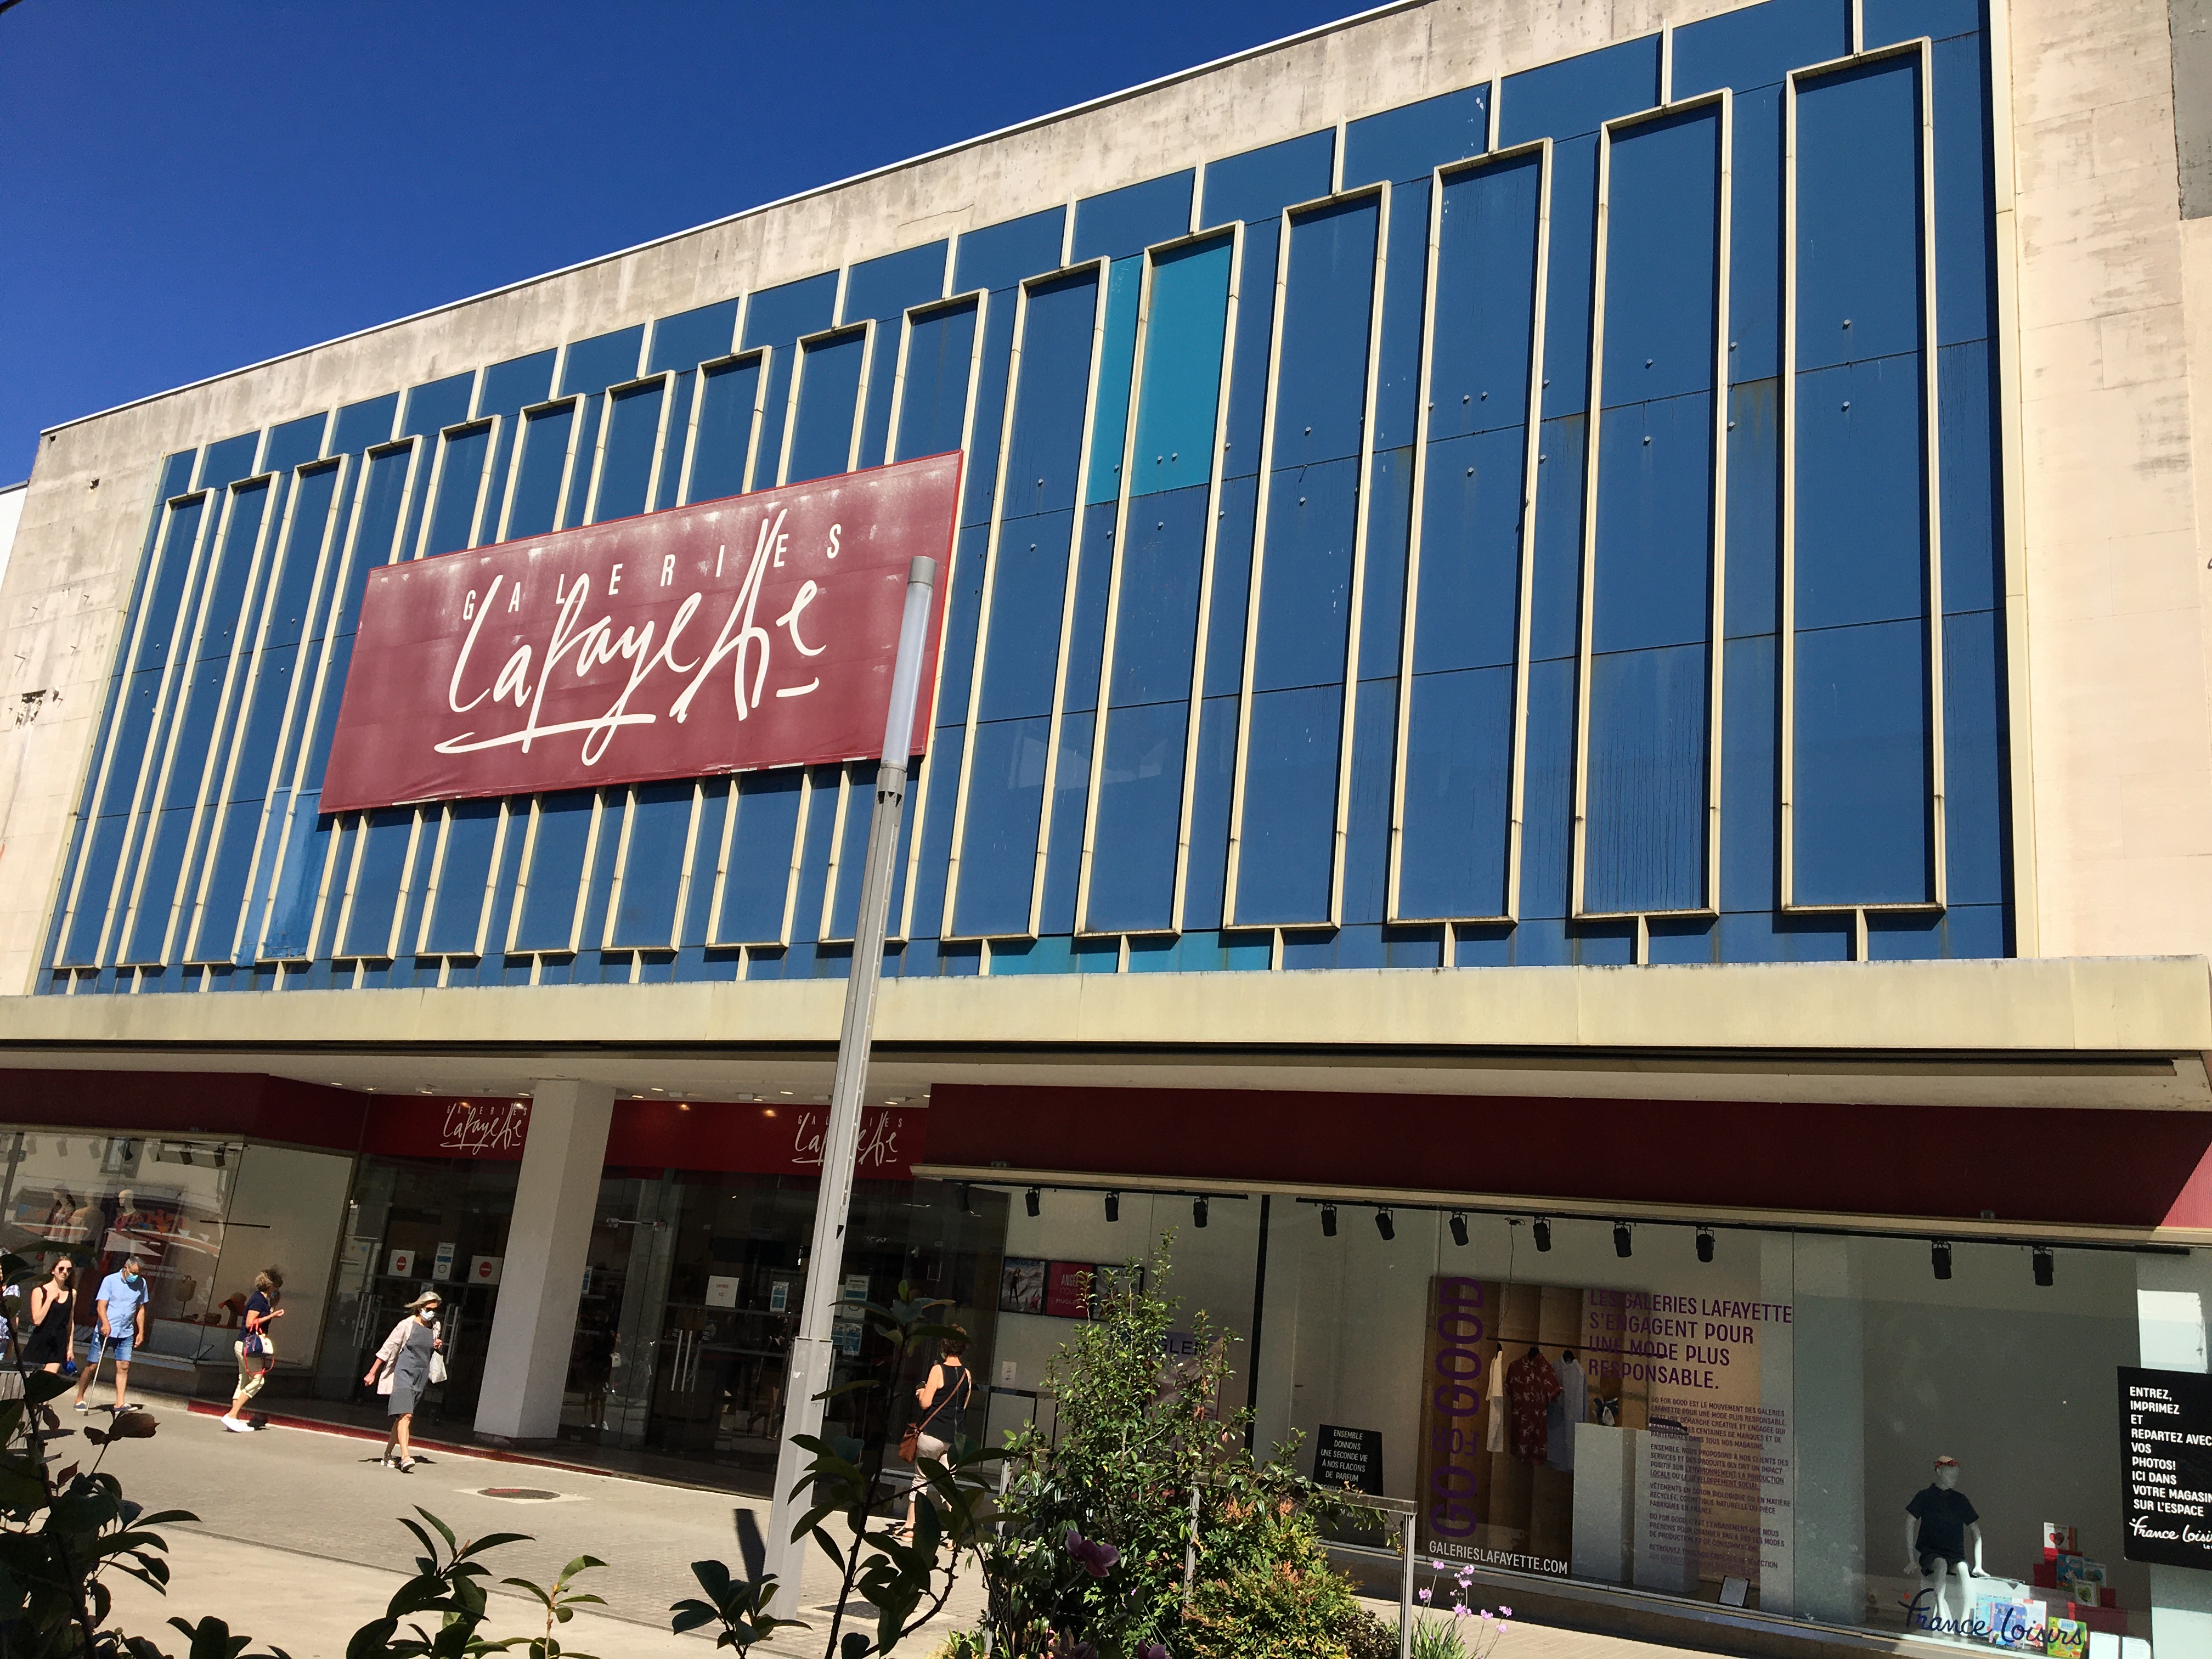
404 1362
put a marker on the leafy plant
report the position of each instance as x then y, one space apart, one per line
1366 1636
560 1602
739 1605
1461 1631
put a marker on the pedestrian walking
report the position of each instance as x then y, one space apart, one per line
940 1402
119 1327
255 1348
409 1362
50 1341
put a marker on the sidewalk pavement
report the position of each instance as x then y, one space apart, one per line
296 1545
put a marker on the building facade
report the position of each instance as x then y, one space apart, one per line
1570 733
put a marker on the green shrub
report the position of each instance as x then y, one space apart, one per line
1366 1636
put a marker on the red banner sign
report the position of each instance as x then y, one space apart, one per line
755 631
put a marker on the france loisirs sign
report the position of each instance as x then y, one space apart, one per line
755 631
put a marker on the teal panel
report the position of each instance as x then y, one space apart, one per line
1179 399
1110 422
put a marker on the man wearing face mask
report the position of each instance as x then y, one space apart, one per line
119 1328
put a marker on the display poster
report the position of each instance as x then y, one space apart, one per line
1348 1457
2166 1427
1021 1285
1615 1435
1068 1288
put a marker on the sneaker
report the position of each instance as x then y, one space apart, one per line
406 1466
81 1407
237 1427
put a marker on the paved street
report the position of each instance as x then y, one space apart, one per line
296 1545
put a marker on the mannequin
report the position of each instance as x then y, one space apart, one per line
1943 1543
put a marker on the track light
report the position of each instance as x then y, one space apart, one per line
1459 1229
1705 1243
1198 1212
1622 1244
1328 1221
1030 1202
1112 1207
1939 1257
2044 1265
1385 1226
1543 1231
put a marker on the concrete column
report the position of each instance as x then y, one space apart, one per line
526 1363
2170 1292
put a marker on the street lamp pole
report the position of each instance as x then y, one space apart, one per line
813 1354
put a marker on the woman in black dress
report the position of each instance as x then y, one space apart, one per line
50 1342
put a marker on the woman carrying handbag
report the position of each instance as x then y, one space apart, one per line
409 1362
940 1401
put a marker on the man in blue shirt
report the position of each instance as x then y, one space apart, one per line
119 1328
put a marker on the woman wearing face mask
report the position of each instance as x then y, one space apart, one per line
404 1362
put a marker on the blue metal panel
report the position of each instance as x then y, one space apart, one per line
1975 842
1029 590
1654 553
883 289
1684 940
1966 450
383 494
759 874
460 481
230 460
852 849
516 384
1321 376
300 874
1486 312
982 467
1753 602
626 472
1046 444
1758 46
1645 811
668 481
1470 572
964 604
1403 144
1236 511
1459 753
1109 421
1259 183
1071 792
1179 404
727 397
1883 23
598 889
436 405
653 867
1404 287
1765 937
1858 214
1662 256
998 853
1382 592
1288 844
1210 791
1156 633
691 338
1547 796
537 489
1139 818
1556 620
165 849
230 612
357 426
1086 642
166 593
1751 821
1574 94
603 360
294 587
294 442
377 881
936 830
828 405
1860 800
917 770
999 256
233 854
1122 223
1305 583
1861 510
591 414
813 870
1250 370
1756 173
471 831
555 871
780 316
1573 239
933 412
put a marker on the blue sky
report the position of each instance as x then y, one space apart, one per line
187 188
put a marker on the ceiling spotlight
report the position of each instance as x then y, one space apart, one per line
1384 1225
1112 1207
1198 1212
1030 1202
1459 1229
1939 1257
1705 1243
2044 1265
1622 1245
1543 1231
1328 1221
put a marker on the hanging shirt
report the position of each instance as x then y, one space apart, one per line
1495 1398
1572 1407
1531 1385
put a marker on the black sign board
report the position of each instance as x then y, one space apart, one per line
1349 1457
2165 1437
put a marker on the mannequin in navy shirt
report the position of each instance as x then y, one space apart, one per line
1943 1540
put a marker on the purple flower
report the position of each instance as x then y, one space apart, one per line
1423 1595
1505 1612
1097 1559
1067 1647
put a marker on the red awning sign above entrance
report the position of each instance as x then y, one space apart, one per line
755 631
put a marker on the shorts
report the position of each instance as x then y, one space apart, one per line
927 1446
1934 1561
103 1345
253 1368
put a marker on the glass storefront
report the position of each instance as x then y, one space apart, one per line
1748 1417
